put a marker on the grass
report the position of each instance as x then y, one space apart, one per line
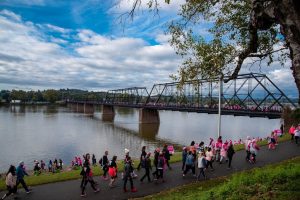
275 181
45 178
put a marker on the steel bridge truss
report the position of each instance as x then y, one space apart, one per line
247 92
129 96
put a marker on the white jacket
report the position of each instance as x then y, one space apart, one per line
201 161
11 180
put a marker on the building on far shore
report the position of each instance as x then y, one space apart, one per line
15 101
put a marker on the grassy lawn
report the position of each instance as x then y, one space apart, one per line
276 181
74 174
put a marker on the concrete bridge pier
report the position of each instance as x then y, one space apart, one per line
80 107
148 116
73 106
88 109
108 113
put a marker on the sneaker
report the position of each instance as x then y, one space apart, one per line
28 192
183 175
133 190
97 190
83 195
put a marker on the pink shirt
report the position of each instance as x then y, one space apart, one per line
292 130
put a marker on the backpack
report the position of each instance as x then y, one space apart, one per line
101 161
161 162
189 159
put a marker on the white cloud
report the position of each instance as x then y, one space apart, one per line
30 57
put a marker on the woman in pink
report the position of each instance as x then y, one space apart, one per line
209 156
224 152
218 148
292 132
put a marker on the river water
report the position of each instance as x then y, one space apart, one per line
48 132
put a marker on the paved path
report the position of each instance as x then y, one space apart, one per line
71 190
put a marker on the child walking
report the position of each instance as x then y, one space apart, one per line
201 165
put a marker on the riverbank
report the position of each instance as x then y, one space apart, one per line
275 181
67 175
71 190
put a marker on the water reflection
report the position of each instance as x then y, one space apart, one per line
148 131
50 110
45 132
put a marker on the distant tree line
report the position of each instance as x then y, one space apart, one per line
49 96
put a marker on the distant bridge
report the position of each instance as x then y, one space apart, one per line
253 95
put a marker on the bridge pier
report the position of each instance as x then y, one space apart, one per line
108 113
80 107
88 109
148 116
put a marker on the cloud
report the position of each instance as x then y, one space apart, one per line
43 56
32 56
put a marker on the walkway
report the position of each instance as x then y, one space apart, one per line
71 189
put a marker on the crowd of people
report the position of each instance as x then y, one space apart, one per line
196 157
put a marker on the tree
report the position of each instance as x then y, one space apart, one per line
240 29
51 95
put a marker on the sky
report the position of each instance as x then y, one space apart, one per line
84 45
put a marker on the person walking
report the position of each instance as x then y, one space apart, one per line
142 157
230 152
189 164
20 176
87 176
254 148
209 158
147 166
10 181
161 166
94 161
104 163
184 155
113 171
155 162
247 148
167 155
127 175
201 165
292 132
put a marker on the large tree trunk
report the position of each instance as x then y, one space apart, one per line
287 13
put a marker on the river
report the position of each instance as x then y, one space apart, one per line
47 132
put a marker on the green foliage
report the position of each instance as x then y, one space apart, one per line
216 52
276 181
50 95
